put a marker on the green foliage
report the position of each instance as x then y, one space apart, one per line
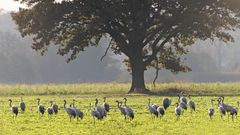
161 27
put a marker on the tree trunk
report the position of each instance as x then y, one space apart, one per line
137 67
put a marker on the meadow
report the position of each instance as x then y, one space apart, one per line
197 122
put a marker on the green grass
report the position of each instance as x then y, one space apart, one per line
196 123
118 89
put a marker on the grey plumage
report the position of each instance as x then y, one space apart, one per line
211 110
191 104
122 110
178 111
50 111
128 110
14 109
95 114
78 112
221 110
155 106
160 111
41 108
166 102
71 113
100 109
106 105
152 109
22 105
182 104
54 107
234 111
182 98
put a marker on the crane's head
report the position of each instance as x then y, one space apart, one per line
74 100
125 99
50 101
38 99
10 100
117 101
64 101
177 104
149 99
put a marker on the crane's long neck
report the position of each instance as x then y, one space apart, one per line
51 103
73 104
96 103
125 102
179 98
21 99
64 105
211 103
10 103
148 102
104 100
38 102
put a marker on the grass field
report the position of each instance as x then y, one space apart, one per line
196 123
119 89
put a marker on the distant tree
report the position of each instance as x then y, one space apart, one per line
151 33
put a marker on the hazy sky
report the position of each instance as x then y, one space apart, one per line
9 5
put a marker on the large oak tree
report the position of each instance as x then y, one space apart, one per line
151 33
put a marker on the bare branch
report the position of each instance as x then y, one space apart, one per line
156 48
106 50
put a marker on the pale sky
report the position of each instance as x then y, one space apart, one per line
9 5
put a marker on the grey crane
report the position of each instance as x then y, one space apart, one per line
122 110
41 108
166 102
178 111
95 114
22 105
182 104
160 111
50 110
191 104
128 110
234 111
14 109
227 107
71 113
152 110
54 107
106 105
221 110
100 109
211 109
78 112
182 98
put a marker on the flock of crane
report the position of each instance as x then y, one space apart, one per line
99 112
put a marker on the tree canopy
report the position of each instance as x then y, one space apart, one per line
151 33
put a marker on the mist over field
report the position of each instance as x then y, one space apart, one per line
20 64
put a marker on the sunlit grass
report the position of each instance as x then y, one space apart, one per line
118 88
196 123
